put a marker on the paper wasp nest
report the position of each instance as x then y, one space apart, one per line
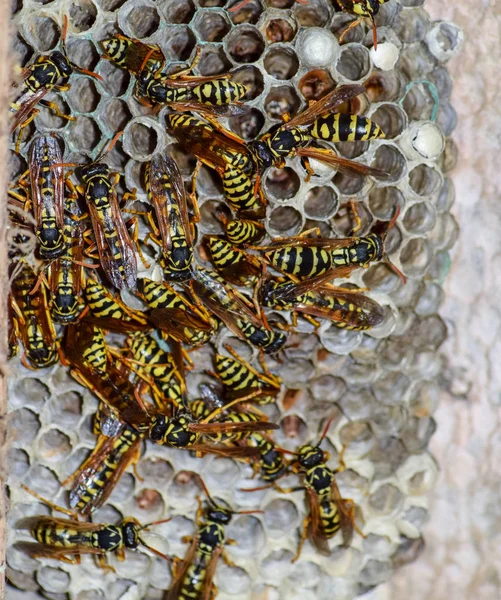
381 386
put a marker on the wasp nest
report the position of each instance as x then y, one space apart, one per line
380 386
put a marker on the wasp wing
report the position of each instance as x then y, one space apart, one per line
343 165
174 592
230 427
316 530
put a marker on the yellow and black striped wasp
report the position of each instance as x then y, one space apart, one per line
68 539
46 74
233 310
235 265
241 232
193 579
31 320
240 379
238 162
133 55
174 314
305 257
114 244
362 9
166 192
313 297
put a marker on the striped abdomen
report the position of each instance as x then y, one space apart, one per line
301 261
234 375
101 304
95 355
219 91
243 231
341 127
239 190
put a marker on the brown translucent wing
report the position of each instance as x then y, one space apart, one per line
325 105
230 427
175 589
30 522
140 54
316 531
88 471
216 111
173 316
110 264
36 550
344 165
228 451
27 102
209 575
47 144
346 514
208 145
116 325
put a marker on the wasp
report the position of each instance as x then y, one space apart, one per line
242 232
109 312
305 257
193 578
165 189
363 9
31 320
68 539
65 275
173 313
46 74
237 161
233 310
329 511
235 265
133 55
240 379
313 297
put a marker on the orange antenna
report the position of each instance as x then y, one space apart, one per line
110 146
65 51
374 32
324 432
393 267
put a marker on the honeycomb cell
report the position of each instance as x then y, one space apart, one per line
18 462
339 25
124 488
24 425
29 390
280 515
245 44
280 30
354 62
313 14
285 221
348 184
142 18
282 184
357 436
444 40
213 61
234 581
179 44
250 13
417 433
373 573
111 5
419 218
48 119
221 472
42 480
83 96
252 78
415 257
390 160
115 81
82 15
281 63
155 468
391 118
424 180
211 26
249 535
42 33
384 201
320 203
316 84
281 100
142 138
115 115
53 580
83 53
339 341
248 126
54 446
177 11
84 134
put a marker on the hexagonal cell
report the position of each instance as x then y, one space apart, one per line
384 201
82 15
391 118
249 535
83 96
252 78
110 5
419 218
281 100
339 26
348 184
141 140
211 26
84 134
53 580
18 462
42 32
280 30
249 13
424 180
249 125
280 515
313 14
345 219
115 81
282 184
384 86
179 43
245 44
115 114
43 481
24 425
419 102
281 63
177 11
354 62
213 61
83 53
415 257
389 159
285 221
54 446
28 390
316 84
142 18
156 468
320 203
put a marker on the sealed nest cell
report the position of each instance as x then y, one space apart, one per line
379 388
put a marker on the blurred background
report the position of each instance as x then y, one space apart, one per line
462 557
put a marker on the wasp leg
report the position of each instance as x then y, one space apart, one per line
352 25
304 535
22 126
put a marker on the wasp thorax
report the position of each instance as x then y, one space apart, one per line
62 63
310 456
219 515
96 169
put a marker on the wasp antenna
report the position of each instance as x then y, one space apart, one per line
374 32
396 270
326 429
238 6
110 146
249 512
153 523
394 218
157 552
204 488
